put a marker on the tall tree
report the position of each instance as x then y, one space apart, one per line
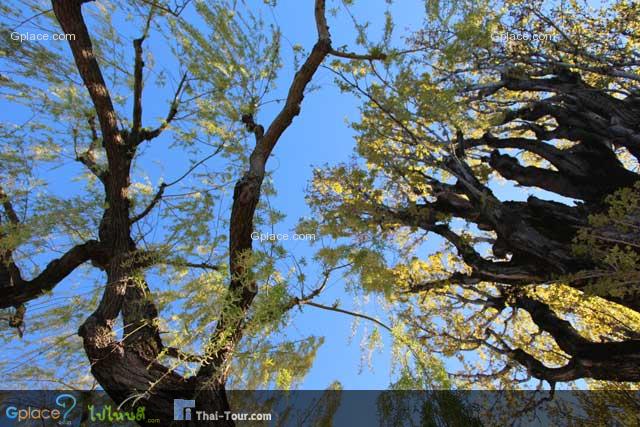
90 108
496 102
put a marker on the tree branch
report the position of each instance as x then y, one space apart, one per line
531 176
569 339
174 12
245 200
350 313
26 290
138 79
176 353
69 15
8 207
88 157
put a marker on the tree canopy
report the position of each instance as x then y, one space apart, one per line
492 200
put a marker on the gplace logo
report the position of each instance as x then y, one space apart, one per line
66 401
182 409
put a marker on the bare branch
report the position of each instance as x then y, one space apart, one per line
350 313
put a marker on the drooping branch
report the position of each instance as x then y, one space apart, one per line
17 291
